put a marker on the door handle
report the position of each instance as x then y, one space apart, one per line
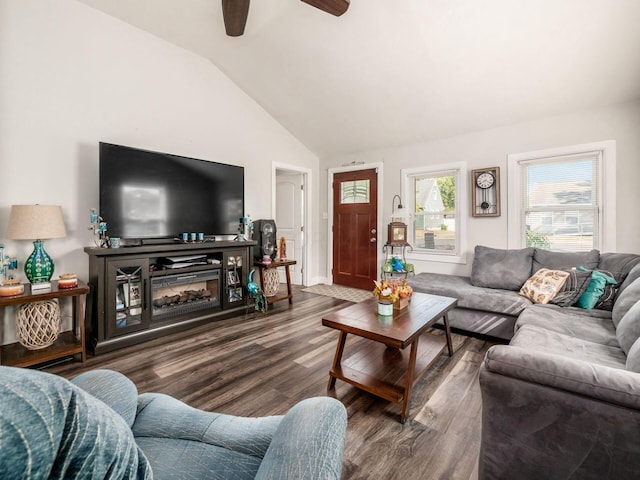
373 239
374 231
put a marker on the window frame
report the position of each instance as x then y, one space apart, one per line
606 197
462 199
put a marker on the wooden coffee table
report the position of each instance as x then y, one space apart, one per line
381 367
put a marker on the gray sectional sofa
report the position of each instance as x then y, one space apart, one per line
488 301
562 399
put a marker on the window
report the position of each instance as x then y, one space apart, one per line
435 197
557 199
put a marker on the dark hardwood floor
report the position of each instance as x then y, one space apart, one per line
257 365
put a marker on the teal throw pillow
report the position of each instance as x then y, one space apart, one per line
595 289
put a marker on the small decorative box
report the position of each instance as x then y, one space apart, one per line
11 287
67 280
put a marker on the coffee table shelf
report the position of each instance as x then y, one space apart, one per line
382 371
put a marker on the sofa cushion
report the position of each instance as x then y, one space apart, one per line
543 340
591 325
628 330
595 289
496 268
633 357
632 276
618 262
625 301
574 286
543 285
468 295
564 260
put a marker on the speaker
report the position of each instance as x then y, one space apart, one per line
264 232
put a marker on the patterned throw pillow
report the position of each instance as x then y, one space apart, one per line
544 285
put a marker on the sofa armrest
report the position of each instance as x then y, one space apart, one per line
607 384
548 416
309 442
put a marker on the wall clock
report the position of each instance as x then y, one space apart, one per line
485 192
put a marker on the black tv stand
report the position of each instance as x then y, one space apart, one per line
132 292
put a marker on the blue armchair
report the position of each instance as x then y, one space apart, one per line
51 428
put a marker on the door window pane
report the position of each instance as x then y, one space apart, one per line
354 191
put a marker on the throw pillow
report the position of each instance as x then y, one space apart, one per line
628 330
563 260
606 300
543 285
594 290
505 269
574 286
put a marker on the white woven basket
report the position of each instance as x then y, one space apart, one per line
271 282
38 324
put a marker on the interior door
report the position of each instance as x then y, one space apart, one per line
289 221
355 236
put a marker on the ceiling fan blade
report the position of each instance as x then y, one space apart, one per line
334 7
235 14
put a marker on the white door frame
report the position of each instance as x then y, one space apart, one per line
331 172
307 215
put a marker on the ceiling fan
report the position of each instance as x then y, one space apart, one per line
235 12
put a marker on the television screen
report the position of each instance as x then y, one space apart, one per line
146 194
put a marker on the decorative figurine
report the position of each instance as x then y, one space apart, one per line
282 248
256 293
99 229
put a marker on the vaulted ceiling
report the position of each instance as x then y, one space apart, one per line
392 72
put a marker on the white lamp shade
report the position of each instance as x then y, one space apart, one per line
35 222
400 213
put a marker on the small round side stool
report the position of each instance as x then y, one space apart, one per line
38 324
271 282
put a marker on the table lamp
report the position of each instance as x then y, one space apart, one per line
37 222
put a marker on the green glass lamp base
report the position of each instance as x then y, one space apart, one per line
39 266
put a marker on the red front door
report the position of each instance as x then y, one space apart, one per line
355 238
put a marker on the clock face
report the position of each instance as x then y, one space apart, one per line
485 180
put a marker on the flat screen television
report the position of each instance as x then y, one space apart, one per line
153 195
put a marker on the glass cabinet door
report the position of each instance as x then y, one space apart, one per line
234 271
127 295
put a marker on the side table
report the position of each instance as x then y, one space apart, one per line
68 342
275 264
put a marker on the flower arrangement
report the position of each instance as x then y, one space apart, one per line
391 291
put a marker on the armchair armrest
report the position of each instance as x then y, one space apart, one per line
309 442
162 416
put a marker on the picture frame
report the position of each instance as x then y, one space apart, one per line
485 192
232 277
132 294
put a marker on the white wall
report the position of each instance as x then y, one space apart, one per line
490 148
71 76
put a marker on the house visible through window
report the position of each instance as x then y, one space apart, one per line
433 200
558 200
